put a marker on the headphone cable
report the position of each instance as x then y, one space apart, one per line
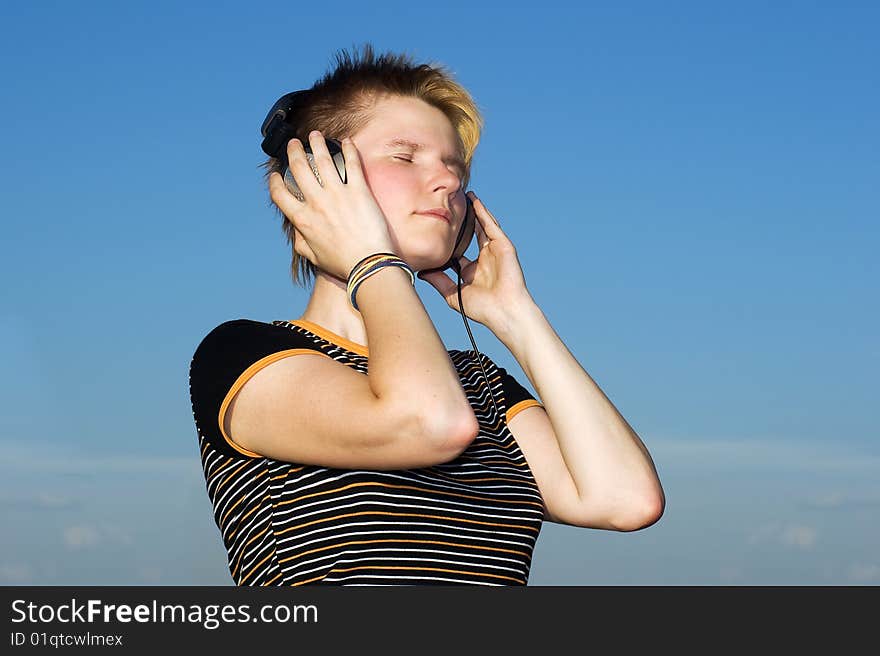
457 267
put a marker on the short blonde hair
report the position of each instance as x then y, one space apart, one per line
340 103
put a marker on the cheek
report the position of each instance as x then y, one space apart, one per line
389 186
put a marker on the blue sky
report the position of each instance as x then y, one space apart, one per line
691 187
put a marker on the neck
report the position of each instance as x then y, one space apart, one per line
330 308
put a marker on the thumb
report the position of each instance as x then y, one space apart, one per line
438 280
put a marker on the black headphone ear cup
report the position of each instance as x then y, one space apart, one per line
467 229
335 149
292 187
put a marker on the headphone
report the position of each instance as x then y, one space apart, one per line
279 127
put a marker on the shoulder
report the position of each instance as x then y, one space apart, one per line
236 329
246 336
231 347
227 356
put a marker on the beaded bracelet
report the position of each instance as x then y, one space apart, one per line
365 264
370 265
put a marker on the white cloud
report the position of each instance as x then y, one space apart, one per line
864 573
53 500
151 575
46 458
15 574
828 500
116 535
750 454
838 499
36 501
80 537
798 536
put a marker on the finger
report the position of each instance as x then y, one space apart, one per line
352 160
464 263
302 169
487 219
323 159
480 234
440 281
283 199
302 247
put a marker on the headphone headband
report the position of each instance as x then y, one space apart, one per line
277 128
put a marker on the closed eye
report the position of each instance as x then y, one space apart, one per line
410 160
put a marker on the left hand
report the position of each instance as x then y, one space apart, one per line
493 284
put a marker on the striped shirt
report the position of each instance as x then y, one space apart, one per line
473 521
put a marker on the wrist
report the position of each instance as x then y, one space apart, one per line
367 255
513 316
369 267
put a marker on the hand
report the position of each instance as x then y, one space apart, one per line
337 224
491 286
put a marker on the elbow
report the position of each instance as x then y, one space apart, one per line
641 515
451 434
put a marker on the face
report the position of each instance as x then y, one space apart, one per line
407 179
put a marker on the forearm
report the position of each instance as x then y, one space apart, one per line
607 460
409 365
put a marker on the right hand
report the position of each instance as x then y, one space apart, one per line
339 223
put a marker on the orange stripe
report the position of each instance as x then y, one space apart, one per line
440 542
254 509
503 462
244 548
522 405
275 579
219 469
428 569
390 514
225 480
333 338
246 515
499 479
234 506
399 487
242 498
256 567
292 470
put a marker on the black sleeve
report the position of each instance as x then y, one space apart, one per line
222 356
514 394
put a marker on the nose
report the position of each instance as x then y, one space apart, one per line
447 178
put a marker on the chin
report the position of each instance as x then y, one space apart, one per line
430 269
424 259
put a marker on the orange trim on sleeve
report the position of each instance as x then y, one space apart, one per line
331 337
519 407
245 377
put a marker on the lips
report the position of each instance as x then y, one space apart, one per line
439 212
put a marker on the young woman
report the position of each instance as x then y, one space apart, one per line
350 446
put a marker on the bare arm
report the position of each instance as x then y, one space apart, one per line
409 364
591 466
409 411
